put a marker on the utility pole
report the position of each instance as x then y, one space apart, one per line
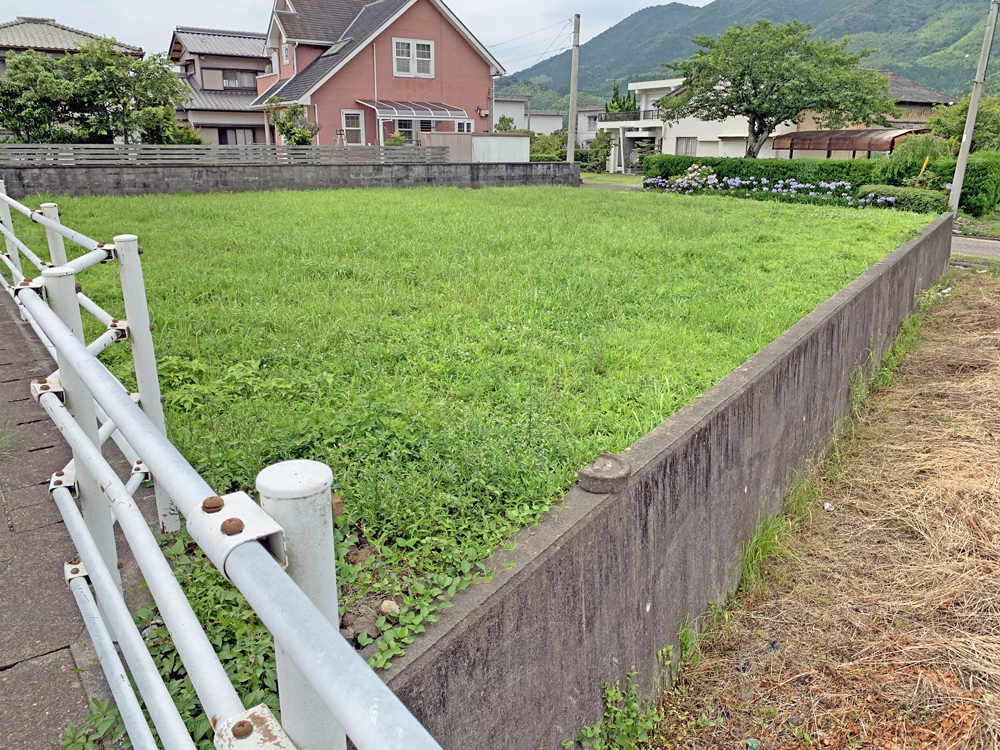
970 122
574 81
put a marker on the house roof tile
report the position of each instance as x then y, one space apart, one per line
225 101
220 42
904 90
45 34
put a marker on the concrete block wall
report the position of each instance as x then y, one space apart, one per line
605 581
234 178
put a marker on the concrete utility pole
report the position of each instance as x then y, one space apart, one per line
970 122
574 81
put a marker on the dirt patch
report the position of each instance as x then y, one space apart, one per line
881 626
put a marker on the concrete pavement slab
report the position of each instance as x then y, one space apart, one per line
38 699
38 613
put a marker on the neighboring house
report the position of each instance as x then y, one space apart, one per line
694 137
220 70
514 106
45 35
588 124
546 121
364 70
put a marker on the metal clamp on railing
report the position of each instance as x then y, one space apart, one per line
36 284
119 326
65 479
221 524
73 570
256 729
41 386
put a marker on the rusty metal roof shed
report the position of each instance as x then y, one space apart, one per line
878 139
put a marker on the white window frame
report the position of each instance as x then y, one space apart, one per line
412 73
410 132
284 53
465 126
343 123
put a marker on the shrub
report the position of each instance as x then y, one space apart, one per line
546 157
917 200
854 171
981 190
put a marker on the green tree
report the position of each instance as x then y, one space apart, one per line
112 91
34 98
775 74
619 103
505 124
290 120
549 144
160 126
949 122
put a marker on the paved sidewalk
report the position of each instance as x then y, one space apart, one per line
48 670
976 247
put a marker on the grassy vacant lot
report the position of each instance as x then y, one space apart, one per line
456 356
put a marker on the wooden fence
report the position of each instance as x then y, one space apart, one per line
51 155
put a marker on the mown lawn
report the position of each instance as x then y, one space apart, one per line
455 355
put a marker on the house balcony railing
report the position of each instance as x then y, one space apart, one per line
634 116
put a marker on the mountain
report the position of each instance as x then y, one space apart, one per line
935 42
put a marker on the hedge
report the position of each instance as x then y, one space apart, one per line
980 195
546 157
918 200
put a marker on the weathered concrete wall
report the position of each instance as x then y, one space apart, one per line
607 580
231 178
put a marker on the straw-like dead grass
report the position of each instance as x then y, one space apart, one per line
882 628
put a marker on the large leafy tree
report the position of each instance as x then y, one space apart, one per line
112 91
775 74
97 95
34 98
949 122
291 121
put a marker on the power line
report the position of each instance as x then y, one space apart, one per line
561 33
554 52
529 44
537 31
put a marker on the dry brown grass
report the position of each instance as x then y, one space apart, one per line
882 629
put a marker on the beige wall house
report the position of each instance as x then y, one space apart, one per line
694 137
220 70
45 35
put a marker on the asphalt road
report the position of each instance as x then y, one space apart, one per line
976 247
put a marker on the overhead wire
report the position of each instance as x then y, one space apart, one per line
531 33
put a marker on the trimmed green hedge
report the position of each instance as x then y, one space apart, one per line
854 171
547 157
917 200
980 196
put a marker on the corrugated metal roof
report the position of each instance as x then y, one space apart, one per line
876 139
45 34
222 101
220 42
395 109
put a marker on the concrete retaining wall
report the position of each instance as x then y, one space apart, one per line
129 180
607 580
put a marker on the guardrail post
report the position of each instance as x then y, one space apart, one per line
12 251
60 286
143 355
57 248
297 495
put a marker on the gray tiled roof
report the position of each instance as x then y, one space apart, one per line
355 33
225 101
320 20
904 90
46 34
219 42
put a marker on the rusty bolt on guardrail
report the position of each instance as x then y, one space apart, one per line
213 504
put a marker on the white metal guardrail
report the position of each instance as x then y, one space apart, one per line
326 690
91 155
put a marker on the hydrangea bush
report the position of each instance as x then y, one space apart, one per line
702 179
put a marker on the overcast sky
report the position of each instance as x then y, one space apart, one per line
148 24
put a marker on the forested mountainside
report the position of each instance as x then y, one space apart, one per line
935 42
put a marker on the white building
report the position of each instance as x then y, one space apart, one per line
518 108
688 137
588 124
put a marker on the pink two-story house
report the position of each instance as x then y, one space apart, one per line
365 69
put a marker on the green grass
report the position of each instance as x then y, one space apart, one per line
454 355
603 178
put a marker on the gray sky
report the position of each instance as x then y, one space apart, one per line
148 24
